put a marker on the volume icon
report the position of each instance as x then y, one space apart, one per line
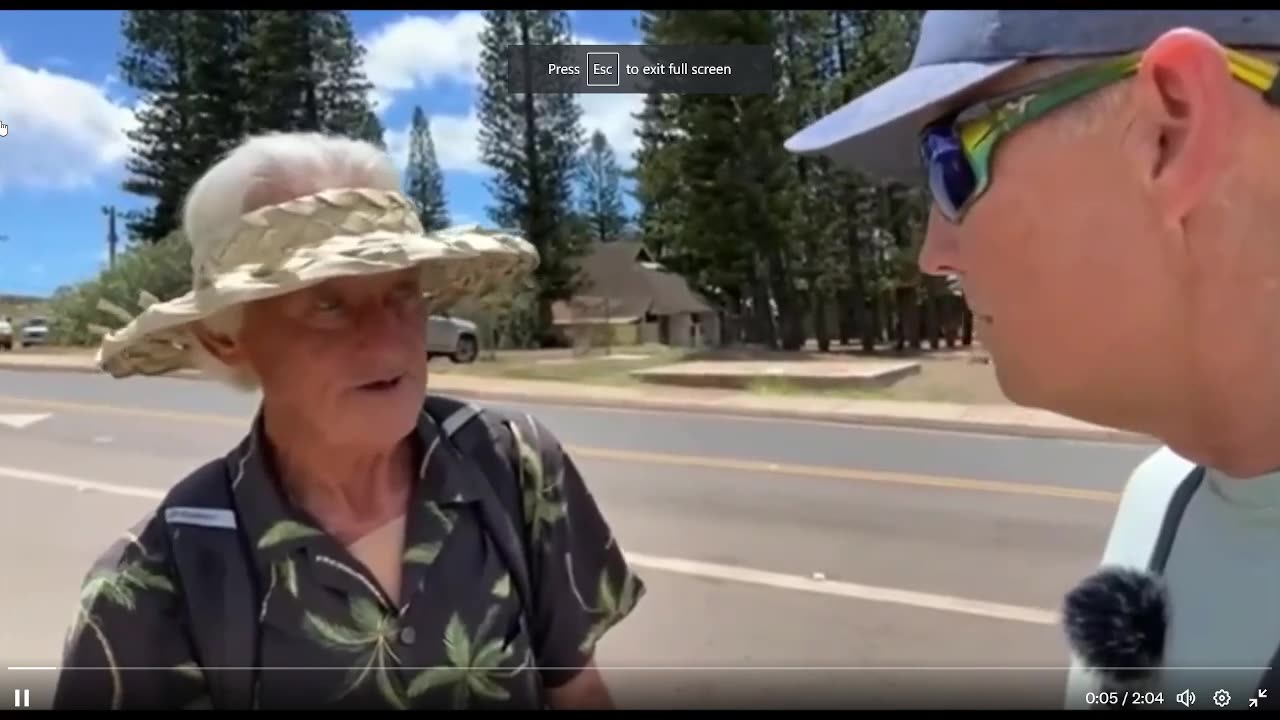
22 698
1187 698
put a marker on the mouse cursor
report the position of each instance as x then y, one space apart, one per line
4 129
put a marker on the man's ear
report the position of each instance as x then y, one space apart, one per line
225 348
1183 91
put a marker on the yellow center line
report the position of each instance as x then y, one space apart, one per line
652 458
856 474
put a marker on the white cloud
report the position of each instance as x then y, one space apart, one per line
613 116
62 131
419 52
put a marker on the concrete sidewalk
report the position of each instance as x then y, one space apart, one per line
988 419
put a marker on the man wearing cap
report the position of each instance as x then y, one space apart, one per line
364 546
1104 184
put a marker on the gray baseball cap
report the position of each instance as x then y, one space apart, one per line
959 49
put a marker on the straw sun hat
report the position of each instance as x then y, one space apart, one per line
283 248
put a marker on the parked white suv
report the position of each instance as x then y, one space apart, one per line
34 332
453 338
6 334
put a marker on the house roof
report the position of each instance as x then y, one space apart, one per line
625 274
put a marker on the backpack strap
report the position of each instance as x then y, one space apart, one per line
490 444
1150 512
218 586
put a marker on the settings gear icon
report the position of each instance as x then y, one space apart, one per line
1221 698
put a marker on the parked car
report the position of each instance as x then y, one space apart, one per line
6 334
34 332
453 338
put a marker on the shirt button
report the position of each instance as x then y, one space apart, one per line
407 636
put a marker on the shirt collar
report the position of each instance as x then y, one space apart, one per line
1259 493
275 526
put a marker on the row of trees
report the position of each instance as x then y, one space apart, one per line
792 246
789 247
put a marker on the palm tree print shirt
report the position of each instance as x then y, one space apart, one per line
329 636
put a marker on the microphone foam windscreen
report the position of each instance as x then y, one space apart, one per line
1115 621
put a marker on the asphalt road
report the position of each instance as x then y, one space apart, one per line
790 564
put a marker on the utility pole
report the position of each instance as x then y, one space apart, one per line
112 238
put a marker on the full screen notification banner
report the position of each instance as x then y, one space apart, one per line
627 69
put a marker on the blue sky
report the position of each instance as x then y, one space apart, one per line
67 112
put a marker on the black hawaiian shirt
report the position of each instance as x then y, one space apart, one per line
329 635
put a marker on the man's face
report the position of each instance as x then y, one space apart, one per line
1064 259
347 357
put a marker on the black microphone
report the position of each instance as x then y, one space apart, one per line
1115 621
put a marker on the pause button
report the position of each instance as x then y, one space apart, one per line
22 698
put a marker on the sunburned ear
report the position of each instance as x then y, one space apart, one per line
1183 92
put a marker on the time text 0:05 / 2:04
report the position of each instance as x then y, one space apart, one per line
1124 699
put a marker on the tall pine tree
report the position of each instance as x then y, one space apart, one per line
186 67
657 182
821 266
601 193
715 166
532 141
343 89
209 78
307 71
424 184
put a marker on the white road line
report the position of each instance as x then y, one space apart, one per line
19 422
870 593
78 484
681 566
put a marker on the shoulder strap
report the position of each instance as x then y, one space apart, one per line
490 444
1150 511
218 586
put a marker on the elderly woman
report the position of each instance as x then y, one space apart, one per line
364 546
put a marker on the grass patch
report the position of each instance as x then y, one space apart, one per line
942 381
785 387
596 368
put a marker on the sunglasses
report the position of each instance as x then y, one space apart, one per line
956 153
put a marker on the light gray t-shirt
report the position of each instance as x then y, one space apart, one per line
1223 579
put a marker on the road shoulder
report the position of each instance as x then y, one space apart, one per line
1004 420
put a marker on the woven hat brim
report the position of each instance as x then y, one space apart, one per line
159 340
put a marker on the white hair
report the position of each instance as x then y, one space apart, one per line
266 170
